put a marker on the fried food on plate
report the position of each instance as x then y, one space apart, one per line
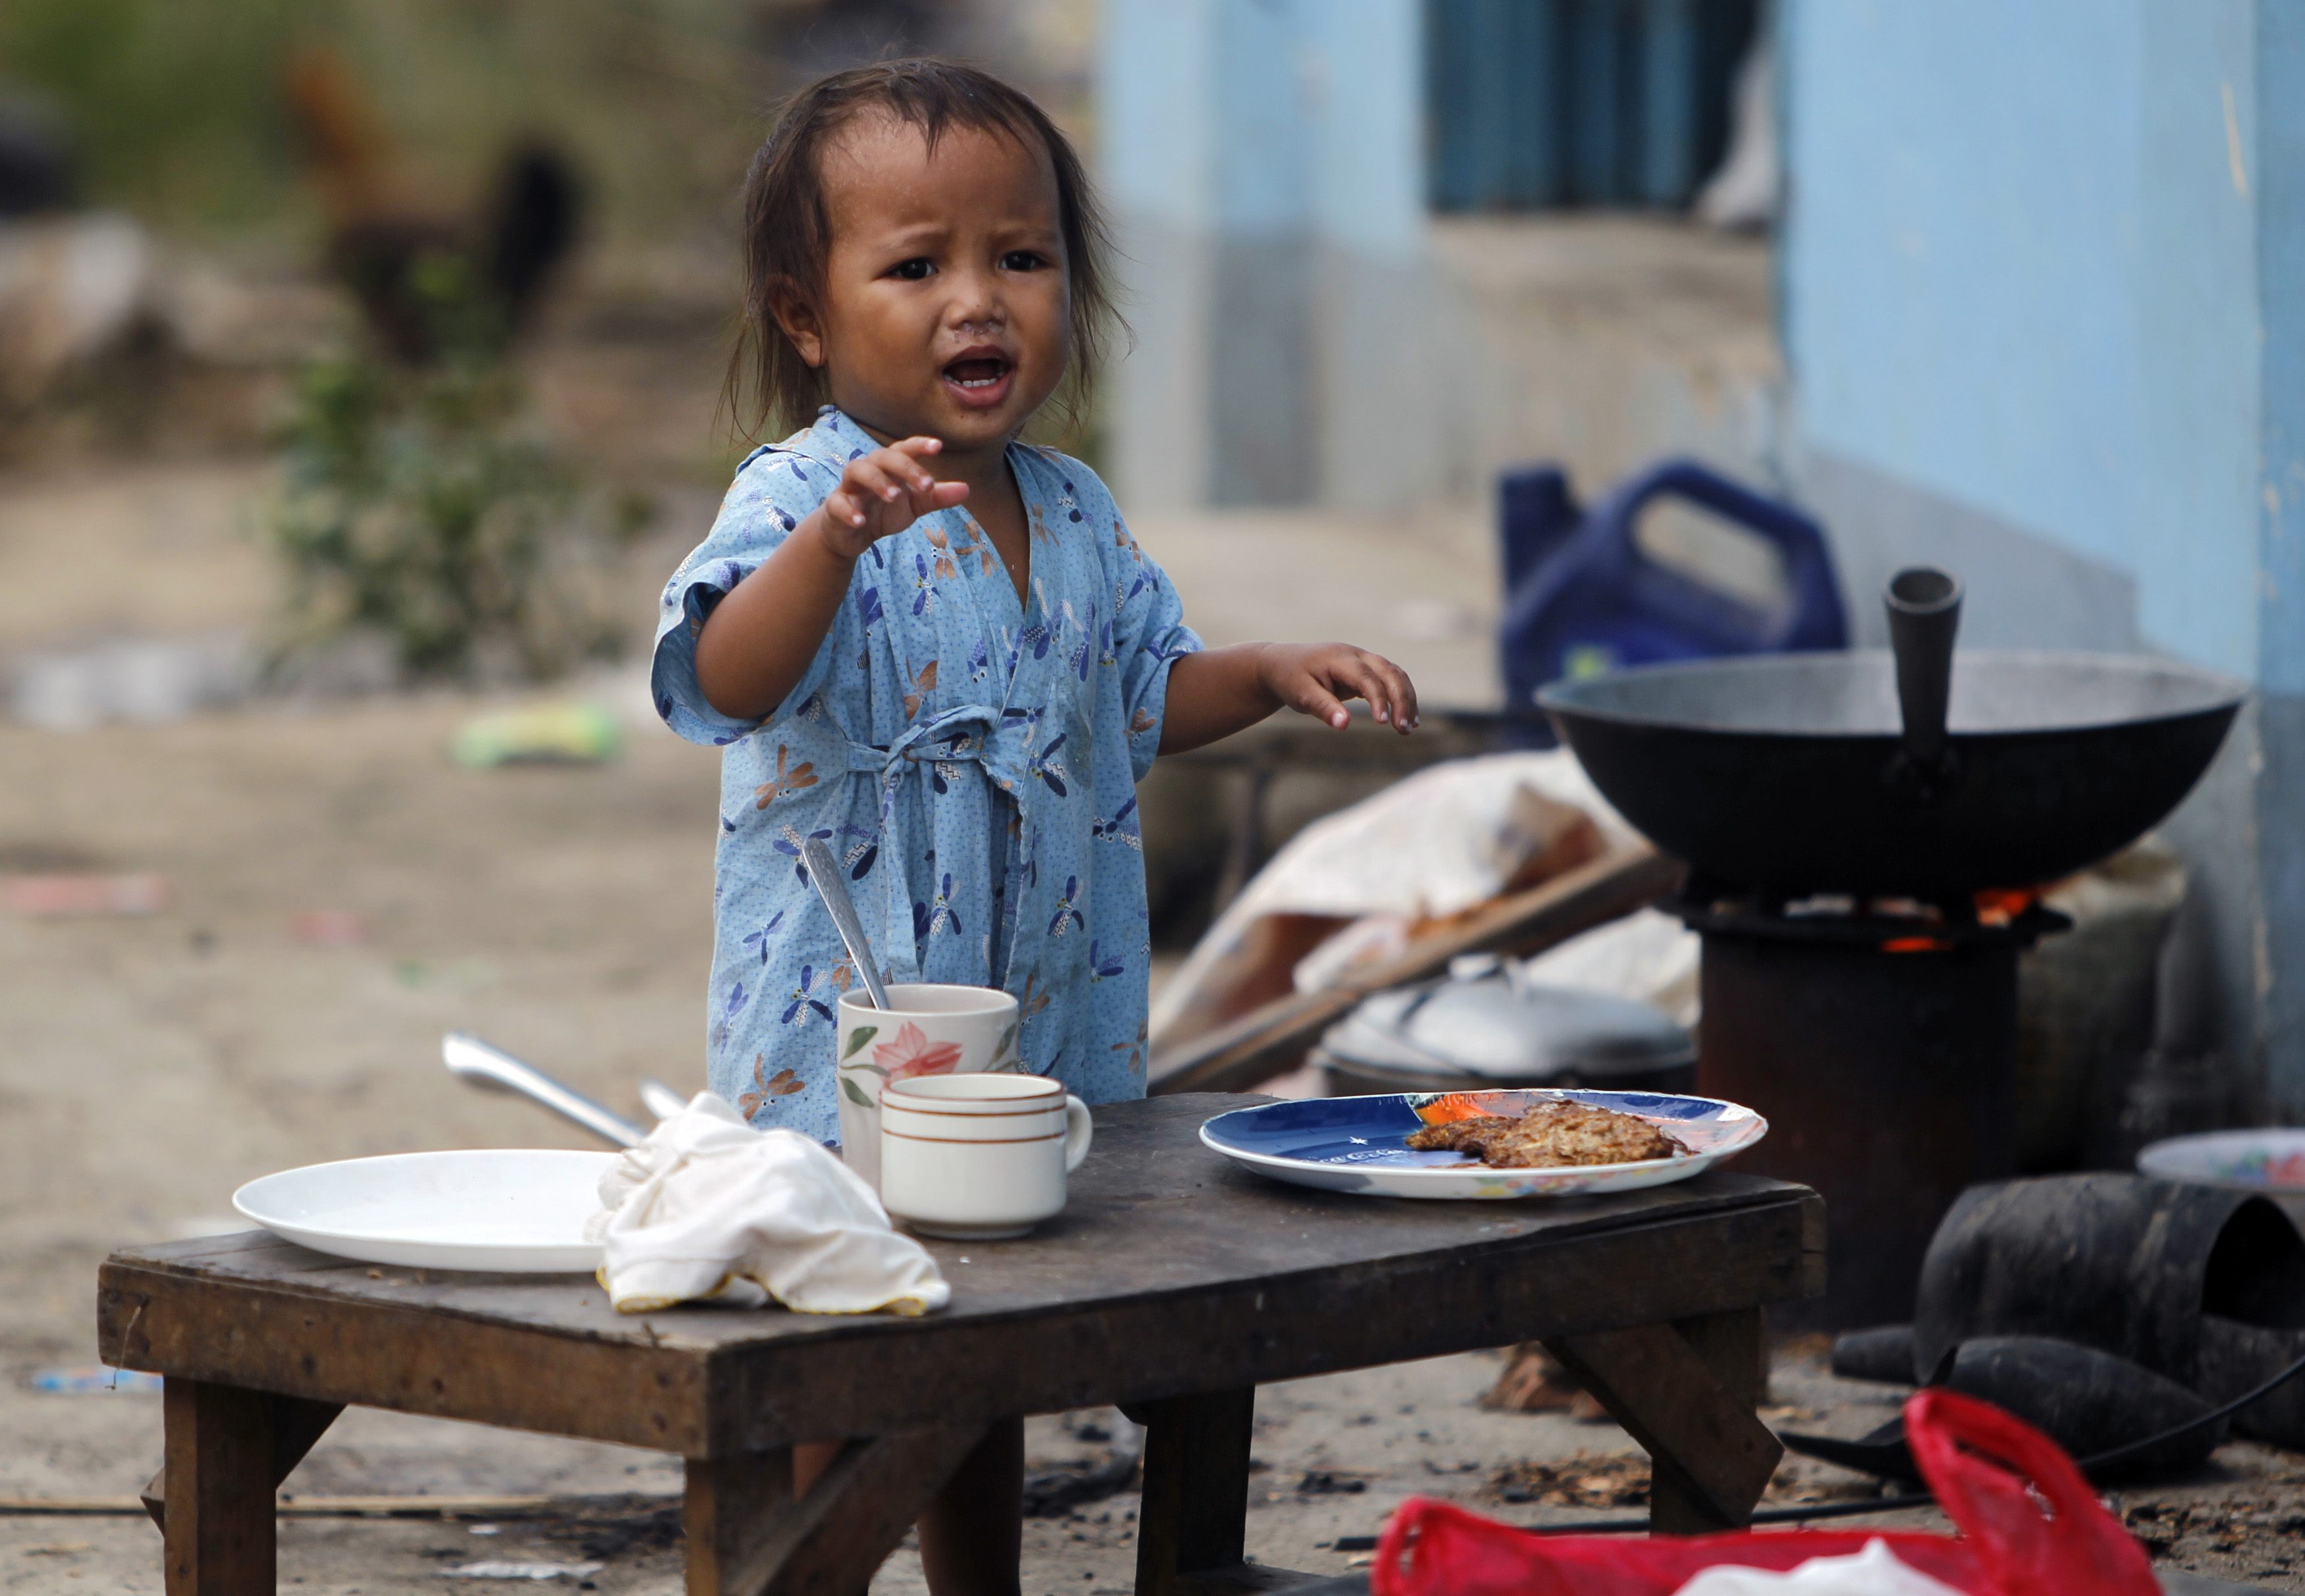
1551 1136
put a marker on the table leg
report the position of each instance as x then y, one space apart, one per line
732 1506
297 1423
219 1529
1685 1392
749 1536
1191 1526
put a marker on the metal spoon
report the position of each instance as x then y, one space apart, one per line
825 875
660 1100
477 1063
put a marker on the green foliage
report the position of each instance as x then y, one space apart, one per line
177 108
419 506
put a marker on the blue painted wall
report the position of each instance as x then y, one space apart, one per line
2020 270
2280 179
1264 163
2044 270
1360 66
1267 116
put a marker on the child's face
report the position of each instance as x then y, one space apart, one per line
946 310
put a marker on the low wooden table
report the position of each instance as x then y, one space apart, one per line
1174 1283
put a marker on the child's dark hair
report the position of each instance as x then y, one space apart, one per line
788 235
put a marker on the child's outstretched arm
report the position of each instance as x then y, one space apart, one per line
1217 692
758 642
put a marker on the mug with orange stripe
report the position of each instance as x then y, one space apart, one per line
978 1156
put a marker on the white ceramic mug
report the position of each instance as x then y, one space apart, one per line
977 1157
928 1029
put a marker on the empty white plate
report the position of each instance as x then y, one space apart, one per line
508 1211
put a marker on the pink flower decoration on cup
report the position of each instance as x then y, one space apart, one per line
911 1053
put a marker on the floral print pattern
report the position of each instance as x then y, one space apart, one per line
971 760
911 1053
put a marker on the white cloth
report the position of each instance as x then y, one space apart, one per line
1873 1572
1433 844
709 1209
1648 955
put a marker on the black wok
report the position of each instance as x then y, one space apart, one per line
1796 774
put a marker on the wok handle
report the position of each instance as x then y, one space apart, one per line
1924 607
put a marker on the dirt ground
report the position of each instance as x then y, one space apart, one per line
149 1064
153 1062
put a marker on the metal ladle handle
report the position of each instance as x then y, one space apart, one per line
1924 605
479 1064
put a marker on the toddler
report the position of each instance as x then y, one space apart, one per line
931 646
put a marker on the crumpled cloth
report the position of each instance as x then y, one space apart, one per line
1433 845
1873 1572
709 1209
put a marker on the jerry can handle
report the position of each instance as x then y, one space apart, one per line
1815 597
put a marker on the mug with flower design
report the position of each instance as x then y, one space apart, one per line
928 1029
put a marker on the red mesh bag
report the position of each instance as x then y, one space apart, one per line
2030 1525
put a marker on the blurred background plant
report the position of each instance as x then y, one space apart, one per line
177 115
421 507
434 294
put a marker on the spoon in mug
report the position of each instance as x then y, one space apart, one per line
824 875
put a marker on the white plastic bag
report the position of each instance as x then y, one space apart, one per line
1873 1572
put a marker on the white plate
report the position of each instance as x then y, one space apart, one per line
2259 1160
1360 1144
506 1210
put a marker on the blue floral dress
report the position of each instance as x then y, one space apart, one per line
972 762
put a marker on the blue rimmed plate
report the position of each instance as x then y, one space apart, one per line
1361 1144
2253 1160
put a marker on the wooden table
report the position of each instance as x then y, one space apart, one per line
1175 1284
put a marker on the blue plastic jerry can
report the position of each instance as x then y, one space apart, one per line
1582 598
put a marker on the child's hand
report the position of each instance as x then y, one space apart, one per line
881 494
1314 678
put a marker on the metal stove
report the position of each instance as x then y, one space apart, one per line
1879 1040
1878 1033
